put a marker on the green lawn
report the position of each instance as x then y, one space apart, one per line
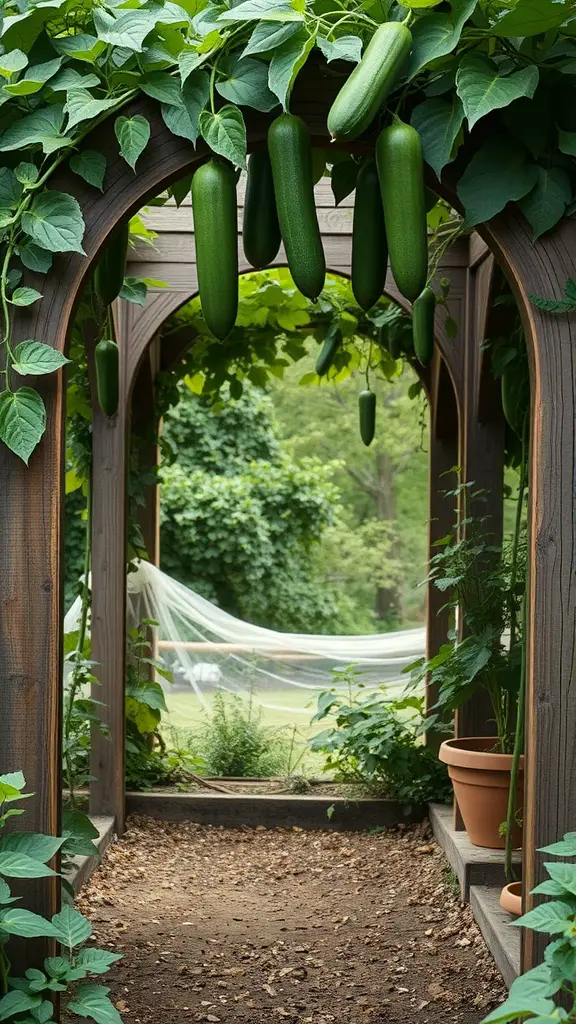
186 711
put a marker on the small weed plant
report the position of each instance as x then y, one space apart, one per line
237 743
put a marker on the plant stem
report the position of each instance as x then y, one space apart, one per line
3 971
76 674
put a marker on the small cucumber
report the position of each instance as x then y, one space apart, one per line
260 228
369 249
365 91
332 343
367 414
106 364
395 347
216 238
423 311
401 172
291 159
109 273
515 398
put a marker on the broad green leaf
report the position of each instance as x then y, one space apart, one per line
436 35
128 31
438 123
567 144
26 173
225 133
530 121
498 173
246 83
162 87
90 165
180 189
530 18
550 918
71 927
18 921
22 421
269 35
286 63
517 1009
34 78
15 864
24 296
42 128
96 1006
40 847
344 48
133 134
10 189
55 222
262 10
14 781
533 984
81 47
97 961
22 29
12 62
82 106
36 358
69 79
482 88
5 897
183 121
189 62
343 179
564 874
134 290
545 205
77 823
34 257
17 1002
549 888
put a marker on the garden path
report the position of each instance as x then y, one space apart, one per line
304 927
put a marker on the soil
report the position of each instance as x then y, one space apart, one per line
250 925
272 787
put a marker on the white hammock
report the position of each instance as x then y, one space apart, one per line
208 649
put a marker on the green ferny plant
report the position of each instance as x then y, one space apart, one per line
31 999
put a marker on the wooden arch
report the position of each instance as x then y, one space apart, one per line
31 499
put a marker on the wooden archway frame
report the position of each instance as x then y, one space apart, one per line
31 500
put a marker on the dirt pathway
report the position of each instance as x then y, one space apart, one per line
304 927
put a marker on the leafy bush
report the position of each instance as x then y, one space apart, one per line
236 743
378 742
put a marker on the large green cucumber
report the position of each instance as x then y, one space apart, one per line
367 416
423 311
365 91
332 343
110 270
260 228
401 172
291 159
369 249
106 365
216 238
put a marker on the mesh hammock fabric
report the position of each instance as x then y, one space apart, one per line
207 649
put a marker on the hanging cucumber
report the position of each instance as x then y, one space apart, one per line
106 364
515 397
365 91
401 172
291 159
423 311
260 228
216 238
369 249
367 415
109 273
332 343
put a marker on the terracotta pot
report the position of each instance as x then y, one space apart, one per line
511 898
481 781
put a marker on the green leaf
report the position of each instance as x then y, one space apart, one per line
246 83
17 921
24 296
80 47
566 847
5 897
269 35
533 984
438 123
97 961
34 257
514 1009
189 62
71 927
498 173
436 35
55 222
183 121
262 10
482 88
40 847
36 358
82 106
564 874
343 179
90 165
128 31
133 134
12 62
134 290
69 79
26 174
96 1006
42 128
10 189
162 87
545 205
14 864
17 1002
34 78
286 62
13 781
225 133
550 918
22 421
530 18
344 48
567 142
